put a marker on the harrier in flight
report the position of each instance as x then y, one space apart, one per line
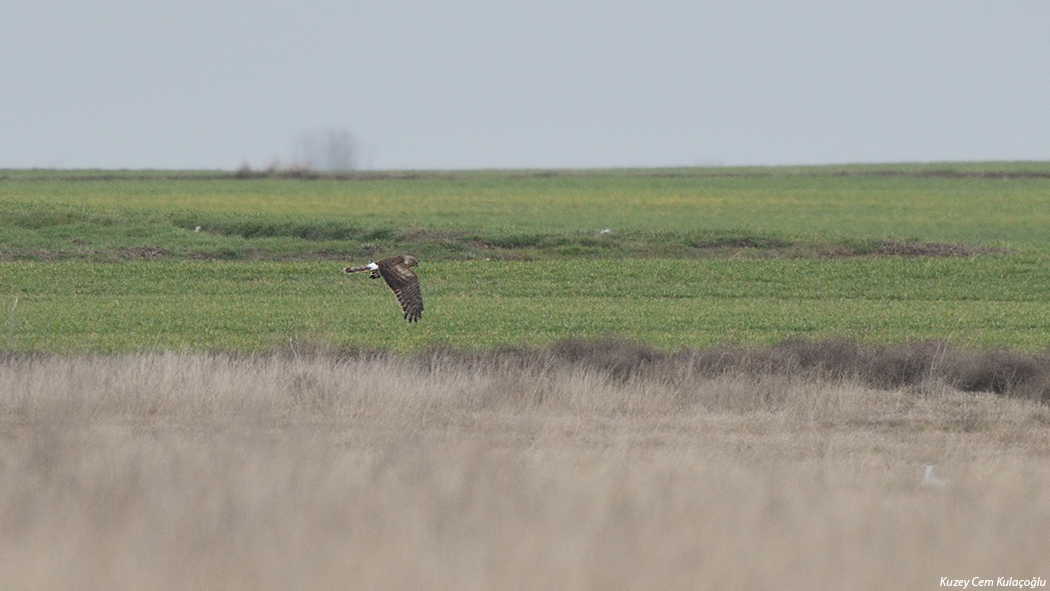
402 281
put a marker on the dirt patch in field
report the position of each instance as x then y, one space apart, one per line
925 249
759 246
896 248
141 252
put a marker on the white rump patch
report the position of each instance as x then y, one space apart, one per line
372 266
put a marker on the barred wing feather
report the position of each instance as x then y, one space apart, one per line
405 285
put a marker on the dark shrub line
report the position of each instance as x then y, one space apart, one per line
908 365
1006 373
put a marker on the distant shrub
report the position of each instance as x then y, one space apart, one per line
878 366
1003 372
621 359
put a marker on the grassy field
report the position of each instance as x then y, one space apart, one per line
984 302
736 387
679 212
693 257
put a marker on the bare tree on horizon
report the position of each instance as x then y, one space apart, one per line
327 149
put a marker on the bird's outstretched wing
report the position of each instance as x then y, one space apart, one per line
405 285
402 281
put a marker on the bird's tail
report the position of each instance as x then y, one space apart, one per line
374 268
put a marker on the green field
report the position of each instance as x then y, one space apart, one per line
207 408
114 261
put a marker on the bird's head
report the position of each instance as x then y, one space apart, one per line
410 261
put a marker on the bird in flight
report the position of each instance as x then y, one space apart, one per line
401 280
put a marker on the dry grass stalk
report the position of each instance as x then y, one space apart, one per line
506 470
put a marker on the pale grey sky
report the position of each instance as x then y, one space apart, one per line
501 84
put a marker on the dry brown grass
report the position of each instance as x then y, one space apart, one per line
572 468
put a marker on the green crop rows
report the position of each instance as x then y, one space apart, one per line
124 261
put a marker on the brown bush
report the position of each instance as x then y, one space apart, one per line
879 366
887 367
